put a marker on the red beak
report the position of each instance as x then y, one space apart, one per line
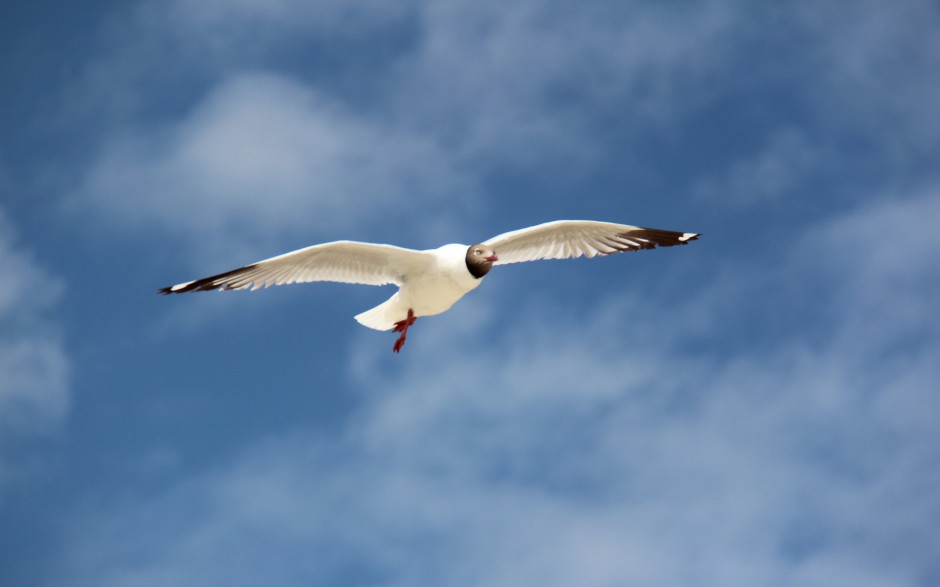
492 258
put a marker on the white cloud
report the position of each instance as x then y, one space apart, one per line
854 110
787 164
481 88
876 68
615 448
637 444
263 157
532 83
34 394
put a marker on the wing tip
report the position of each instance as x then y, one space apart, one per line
190 286
209 283
650 238
178 288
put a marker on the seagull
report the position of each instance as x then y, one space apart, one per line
431 281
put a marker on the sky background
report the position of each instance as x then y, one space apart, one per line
757 408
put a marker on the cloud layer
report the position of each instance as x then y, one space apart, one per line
622 447
453 99
756 408
34 391
266 155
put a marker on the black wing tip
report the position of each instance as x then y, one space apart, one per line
186 287
189 287
656 237
206 283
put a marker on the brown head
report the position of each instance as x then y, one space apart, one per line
480 259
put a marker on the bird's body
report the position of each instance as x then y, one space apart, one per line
429 293
431 281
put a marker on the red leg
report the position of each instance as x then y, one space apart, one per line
402 326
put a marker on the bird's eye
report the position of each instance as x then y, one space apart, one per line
477 252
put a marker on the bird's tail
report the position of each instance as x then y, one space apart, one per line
384 316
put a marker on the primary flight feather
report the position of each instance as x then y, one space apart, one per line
431 281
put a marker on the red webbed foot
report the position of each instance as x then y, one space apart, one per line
402 326
399 344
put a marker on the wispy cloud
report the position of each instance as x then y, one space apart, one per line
874 66
532 83
788 163
480 90
773 424
34 392
263 157
265 151
576 451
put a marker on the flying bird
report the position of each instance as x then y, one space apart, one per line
431 281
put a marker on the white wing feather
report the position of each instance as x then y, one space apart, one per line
342 261
567 239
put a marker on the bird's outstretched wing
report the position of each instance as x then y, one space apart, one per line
343 261
567 239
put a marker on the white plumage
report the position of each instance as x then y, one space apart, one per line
567 239
431 281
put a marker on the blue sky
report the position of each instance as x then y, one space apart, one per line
758 408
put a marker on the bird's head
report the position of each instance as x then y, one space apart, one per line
480 259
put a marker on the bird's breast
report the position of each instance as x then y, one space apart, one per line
436 291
